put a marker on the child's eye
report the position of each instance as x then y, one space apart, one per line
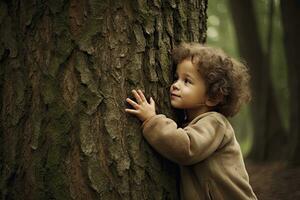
187 81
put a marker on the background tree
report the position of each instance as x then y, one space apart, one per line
66 69
268 129
290 15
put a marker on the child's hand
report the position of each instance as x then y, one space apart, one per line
142 109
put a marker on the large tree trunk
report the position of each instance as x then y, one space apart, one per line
268 128
291 24
66 69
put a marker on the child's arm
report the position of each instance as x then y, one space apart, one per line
184 146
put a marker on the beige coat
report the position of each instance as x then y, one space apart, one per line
210 159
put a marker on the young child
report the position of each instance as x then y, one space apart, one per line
209 87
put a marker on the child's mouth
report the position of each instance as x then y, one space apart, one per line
174 95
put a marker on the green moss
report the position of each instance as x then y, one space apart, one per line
55 5
90 101
87 140
8 35
53 157
65 47
164 63
57 132
49 90
94 25
56 110
134 69
36 130
19 92
89 94
1 159
98 177
38 175
63 43
56 184
139 38
19 87
85 41
1 54
55 177
3 11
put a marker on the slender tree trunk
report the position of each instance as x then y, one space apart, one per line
276 135
290 15
268 128
66 69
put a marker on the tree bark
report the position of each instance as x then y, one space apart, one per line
268 128
291 25
66 69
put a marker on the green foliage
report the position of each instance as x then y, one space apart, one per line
220 29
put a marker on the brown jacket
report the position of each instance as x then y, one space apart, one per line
210 159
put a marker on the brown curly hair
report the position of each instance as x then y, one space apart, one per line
226 79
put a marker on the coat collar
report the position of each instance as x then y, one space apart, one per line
200 117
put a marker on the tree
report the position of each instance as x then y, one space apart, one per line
269 132
290 15
66 69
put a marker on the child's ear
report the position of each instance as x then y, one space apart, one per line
214 102
210 103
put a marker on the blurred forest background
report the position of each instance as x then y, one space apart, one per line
263 34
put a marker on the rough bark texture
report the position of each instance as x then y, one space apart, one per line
291 24
66 69
268 128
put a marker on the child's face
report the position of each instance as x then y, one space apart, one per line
188 91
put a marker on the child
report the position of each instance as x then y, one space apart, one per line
209 87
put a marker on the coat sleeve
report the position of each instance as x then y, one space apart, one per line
185 146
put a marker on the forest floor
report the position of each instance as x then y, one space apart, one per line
274 180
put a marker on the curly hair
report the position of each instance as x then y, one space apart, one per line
226 79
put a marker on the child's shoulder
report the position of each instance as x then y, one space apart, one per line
212 117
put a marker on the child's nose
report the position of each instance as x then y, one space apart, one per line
175 85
